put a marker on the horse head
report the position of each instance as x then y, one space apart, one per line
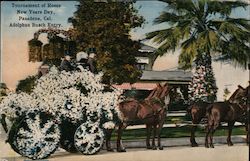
155 92
238 95
165 94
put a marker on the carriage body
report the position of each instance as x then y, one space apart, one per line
66 109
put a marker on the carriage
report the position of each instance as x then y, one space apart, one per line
70 110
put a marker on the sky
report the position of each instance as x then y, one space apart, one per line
14 47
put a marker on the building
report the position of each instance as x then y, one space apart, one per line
178 79
145 57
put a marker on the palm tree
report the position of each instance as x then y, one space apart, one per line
203 27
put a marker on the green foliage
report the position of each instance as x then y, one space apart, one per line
203 84
106 26
35 42
226 93
3 91
35 50
27 84
203 26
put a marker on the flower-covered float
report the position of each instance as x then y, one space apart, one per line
67 109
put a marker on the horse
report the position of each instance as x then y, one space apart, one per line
161 109
151 111
198 112
228 111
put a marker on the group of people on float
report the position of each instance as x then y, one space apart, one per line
83 59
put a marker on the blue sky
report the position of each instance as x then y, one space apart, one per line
14 48
148 9
152 9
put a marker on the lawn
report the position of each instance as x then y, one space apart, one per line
177 132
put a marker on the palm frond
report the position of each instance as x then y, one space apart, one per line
232 30
224 7
213 39
236 52
187 57
180 6
241 22
171 18
160 35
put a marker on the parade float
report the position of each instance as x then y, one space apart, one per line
71 110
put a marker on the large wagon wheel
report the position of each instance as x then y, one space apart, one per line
67 136
89 138
13 133
37 136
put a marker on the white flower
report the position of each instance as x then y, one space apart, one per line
109 125
60 93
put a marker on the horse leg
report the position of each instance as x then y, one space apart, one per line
192 137
207 134
162 119
153 139
149 129
159 137
196 116
211 137
208 130
248 133
215 124
119 145
230 128
108 137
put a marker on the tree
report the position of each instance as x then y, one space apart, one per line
203 85
106 26
3 89
203 27
226 93
198 26
27 84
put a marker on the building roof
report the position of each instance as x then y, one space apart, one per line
169 76
150 78
145 50
138 86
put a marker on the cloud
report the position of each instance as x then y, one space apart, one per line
60 10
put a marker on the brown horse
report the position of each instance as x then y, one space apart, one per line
230 112
151 111
159 102
198 112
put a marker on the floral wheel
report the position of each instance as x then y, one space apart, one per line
37 136
13 133
89 138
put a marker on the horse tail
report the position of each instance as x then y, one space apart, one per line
213 117
189 109
209 109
